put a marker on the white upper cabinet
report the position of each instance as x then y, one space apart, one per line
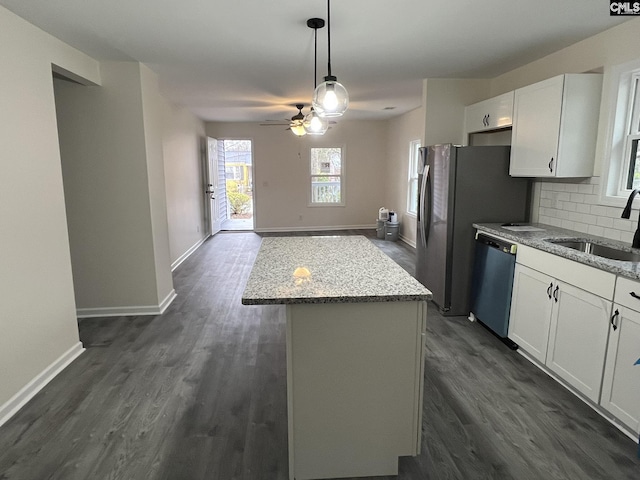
555 124
489 114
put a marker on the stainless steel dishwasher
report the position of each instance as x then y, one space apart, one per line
492 283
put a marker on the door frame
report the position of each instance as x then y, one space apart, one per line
212 202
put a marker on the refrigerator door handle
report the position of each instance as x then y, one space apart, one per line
424 224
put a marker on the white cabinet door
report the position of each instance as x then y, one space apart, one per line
555 124
621 383
491 114
578 338
531 311
537 110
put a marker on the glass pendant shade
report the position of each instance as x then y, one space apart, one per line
314 124
297 127
330 99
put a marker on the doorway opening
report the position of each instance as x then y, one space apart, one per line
236 158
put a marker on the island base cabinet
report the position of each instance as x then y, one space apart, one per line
620 386
354 387
578 339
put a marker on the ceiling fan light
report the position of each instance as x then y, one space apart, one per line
330 98
297 127
314 124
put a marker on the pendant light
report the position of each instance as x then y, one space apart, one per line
314 124
330 99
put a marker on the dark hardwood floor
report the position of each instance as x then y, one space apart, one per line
200 393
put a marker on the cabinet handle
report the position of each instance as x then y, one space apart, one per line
488 119
484 120
555 293
613 318
549 290
551 165
634 295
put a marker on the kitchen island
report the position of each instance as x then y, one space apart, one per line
355 352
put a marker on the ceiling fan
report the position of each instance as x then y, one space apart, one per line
297 117
295 122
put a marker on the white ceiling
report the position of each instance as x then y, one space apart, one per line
251 60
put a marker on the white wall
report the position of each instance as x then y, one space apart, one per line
598 53
37 313
153 106
281 168
439 120
111 148
444 100
570 203
182 146
401 131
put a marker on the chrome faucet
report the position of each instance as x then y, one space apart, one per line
626 213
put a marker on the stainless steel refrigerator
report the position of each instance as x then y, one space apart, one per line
459 186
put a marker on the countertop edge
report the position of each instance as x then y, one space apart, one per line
539 241
336 300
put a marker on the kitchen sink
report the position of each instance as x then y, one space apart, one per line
604 251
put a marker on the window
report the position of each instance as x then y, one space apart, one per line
327 176
412 190
632 134
621 168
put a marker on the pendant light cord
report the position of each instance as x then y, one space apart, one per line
315 57
329 37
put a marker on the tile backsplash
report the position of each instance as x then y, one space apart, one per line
574 205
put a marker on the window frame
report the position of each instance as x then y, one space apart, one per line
412 168
632 130
620 101
342 177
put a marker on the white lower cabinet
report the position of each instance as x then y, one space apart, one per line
578 338
531 311
562 327
621 383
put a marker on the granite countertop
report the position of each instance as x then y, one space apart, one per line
340 269
537 239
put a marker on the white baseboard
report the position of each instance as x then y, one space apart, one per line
26 393
167 301
312 229
409 242
188 253
128 311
